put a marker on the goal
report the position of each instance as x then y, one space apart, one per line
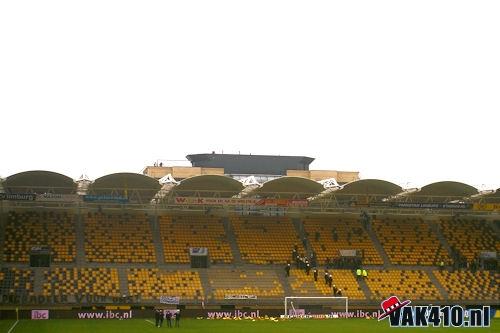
316 307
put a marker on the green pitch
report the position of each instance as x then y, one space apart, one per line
220 326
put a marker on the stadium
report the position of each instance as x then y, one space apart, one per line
246 243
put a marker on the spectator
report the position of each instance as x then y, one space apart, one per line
358 273
315 274
365 274
287 270
162 316
169 318
177 318
157 317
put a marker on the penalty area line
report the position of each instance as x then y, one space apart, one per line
14 325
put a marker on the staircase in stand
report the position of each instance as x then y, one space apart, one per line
157 242
2 235
299 228
284 280
436 283
80 239
231 237
205 282
364 286
38 280
378 246
123 279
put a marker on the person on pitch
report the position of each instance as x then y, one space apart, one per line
177 318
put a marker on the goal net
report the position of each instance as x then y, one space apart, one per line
316 307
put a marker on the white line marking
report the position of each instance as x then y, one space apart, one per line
149 321
13 326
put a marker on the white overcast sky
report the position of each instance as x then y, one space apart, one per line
407 91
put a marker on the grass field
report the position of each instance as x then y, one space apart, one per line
221 326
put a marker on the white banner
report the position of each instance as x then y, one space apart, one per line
169 299
230 296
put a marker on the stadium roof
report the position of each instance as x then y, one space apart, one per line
446 189
209 185
370 187
490 197
288 186
39 181
134 186
495 194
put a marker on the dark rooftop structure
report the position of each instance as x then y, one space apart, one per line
235 164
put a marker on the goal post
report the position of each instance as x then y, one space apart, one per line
311 307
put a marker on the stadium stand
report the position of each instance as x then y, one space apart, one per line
118 238
304 285
329 235
261 283
27 229
151 283
119 250
467 285
408 284
15 281
409 241
89 281
469 236
179 233
265 240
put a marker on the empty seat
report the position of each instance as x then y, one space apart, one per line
151 283
118 238
27 229
264 240
407 284
84 281
329 235
179 233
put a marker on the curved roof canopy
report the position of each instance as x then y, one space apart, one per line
448 189
209 185
38 181
134 186
370 187
492 197
288 187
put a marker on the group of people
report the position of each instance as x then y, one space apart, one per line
361 273
303 261
161 314
306 264
329 281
